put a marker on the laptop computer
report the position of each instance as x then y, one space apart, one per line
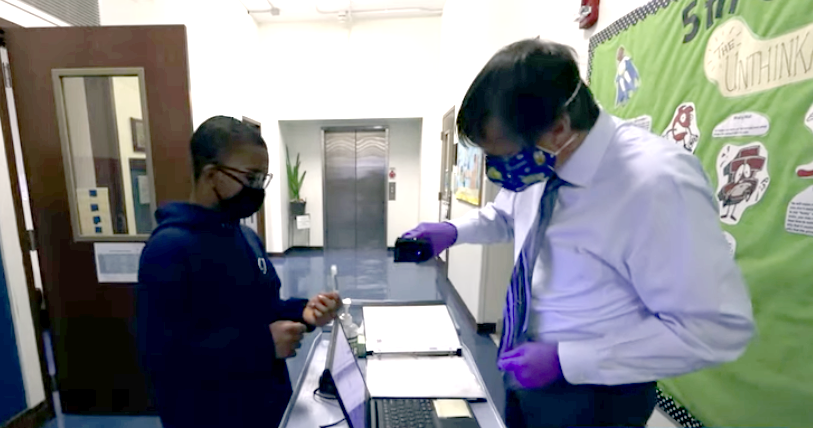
361 411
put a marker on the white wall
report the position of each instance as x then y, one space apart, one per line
405 156
371 70
305 138
228 72
222 48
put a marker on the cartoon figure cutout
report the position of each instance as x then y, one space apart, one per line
627 77
683 129
743 177
807 170
800 211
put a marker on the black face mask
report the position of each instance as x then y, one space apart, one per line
244 203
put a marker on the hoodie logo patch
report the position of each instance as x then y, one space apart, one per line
261 263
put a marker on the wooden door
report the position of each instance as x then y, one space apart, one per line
80 151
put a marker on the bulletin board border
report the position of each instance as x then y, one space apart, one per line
621 25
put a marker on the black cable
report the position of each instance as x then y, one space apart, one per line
333 424
320 394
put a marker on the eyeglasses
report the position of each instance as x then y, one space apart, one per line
257 180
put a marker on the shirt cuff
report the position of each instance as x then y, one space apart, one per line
579 361
467 230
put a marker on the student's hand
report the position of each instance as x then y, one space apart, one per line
321 309
287 336
532 364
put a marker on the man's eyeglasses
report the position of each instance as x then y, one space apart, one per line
257 180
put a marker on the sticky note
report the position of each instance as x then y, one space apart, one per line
451 409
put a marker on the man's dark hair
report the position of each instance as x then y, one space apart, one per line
216 137
525 87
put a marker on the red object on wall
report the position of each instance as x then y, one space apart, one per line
392 174
588 13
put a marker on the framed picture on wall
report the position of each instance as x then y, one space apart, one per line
139 135
469 175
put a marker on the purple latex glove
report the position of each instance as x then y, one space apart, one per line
532 364
440 235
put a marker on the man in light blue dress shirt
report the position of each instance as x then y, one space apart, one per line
622 273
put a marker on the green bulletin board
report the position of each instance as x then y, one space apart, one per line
731 81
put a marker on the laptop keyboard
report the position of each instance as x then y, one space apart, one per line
413 413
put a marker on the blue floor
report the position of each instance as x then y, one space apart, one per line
362 275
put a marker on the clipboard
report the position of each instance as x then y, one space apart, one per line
414 351
420 328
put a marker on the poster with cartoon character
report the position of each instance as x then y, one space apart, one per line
800 212
683 129
743 177
469 174
627 77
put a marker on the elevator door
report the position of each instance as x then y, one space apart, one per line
355 196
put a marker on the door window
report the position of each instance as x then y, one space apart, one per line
105 136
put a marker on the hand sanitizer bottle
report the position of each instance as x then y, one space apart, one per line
351 329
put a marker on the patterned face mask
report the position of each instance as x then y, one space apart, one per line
532 165
518 172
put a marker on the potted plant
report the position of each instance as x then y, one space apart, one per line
295 179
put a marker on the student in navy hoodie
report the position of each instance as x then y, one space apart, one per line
213 330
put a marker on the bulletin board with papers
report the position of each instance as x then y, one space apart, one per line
731 82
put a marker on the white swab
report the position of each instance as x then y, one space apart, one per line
334 280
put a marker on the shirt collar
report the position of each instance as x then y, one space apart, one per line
580 168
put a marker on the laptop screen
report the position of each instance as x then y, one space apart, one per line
350 384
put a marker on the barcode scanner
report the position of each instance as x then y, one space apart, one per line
412 250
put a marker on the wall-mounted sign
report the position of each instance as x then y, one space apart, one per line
117 262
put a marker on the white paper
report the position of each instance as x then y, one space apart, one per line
117 262
410 329
303 222
400 376
743 124
800 213
143 189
